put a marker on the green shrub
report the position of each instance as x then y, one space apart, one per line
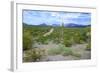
67 51
27 40
61 49
88 47
67 43
54 51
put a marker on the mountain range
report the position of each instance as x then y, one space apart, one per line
69 25
75 25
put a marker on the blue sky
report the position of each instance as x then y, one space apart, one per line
49 17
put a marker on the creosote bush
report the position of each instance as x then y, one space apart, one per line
88 47
61 49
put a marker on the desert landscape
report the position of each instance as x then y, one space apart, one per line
50 40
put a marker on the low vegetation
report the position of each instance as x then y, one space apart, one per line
63 50
64 37
33 55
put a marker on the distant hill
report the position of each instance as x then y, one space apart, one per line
43 24
56 25
75 25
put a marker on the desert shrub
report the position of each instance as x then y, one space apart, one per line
67 43
67 51
33 55
88 47
54 51
61 49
